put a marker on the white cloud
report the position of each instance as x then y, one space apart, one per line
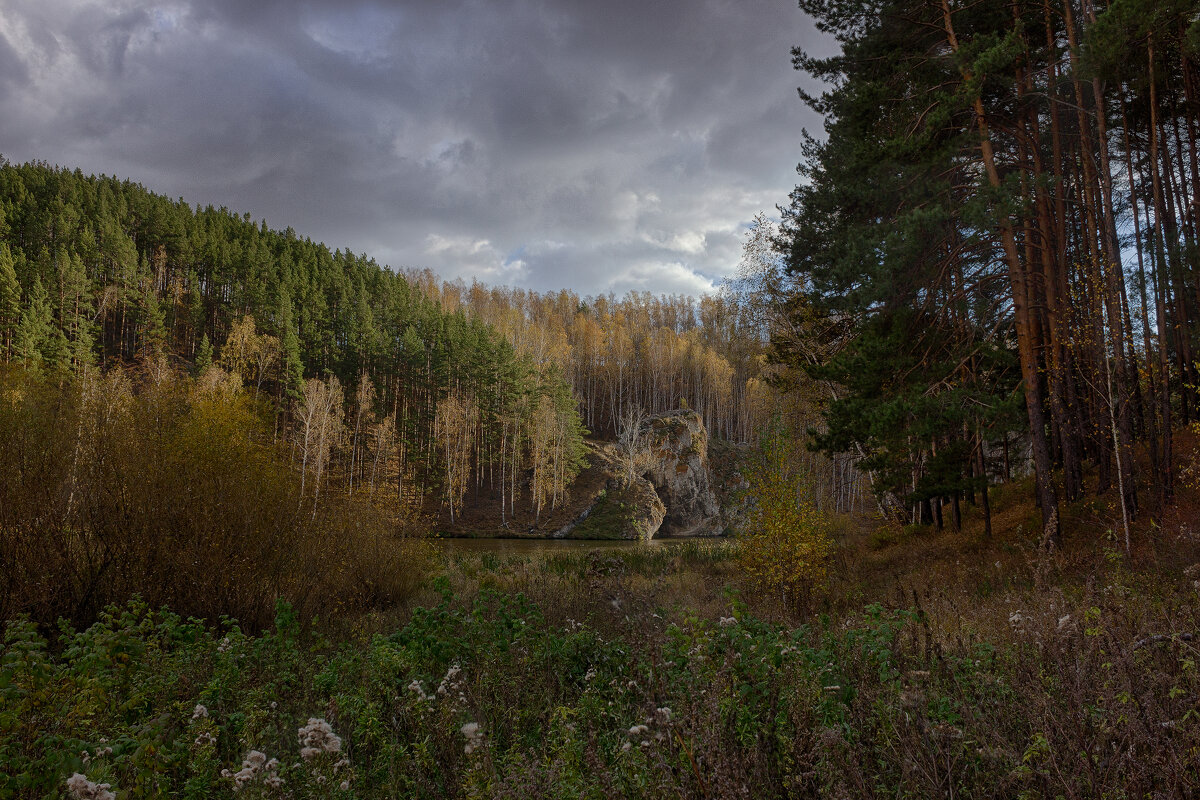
464 257
662 278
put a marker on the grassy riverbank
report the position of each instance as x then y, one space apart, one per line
638 673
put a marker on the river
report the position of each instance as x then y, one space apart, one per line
521 546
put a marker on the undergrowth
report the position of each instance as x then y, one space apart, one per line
930 664
499 692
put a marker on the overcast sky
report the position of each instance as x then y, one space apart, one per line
596 145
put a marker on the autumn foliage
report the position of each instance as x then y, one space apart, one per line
146 482
785 544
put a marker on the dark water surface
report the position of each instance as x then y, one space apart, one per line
522 546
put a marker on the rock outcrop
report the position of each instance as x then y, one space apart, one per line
678 443
670 495
618 511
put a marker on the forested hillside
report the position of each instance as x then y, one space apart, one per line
408 401
423 395
999 233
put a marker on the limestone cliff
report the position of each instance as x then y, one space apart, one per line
671 495
678 443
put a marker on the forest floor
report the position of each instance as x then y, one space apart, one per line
886 564
933 663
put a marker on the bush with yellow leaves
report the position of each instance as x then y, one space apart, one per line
785 542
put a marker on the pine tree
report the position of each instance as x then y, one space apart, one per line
10 302
35 332
76 313
58 351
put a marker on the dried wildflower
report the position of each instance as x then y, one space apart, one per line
205 738
474 737
726 622
200 712
247 773
317 737
416 687
345 787
449 678
255 767
83 789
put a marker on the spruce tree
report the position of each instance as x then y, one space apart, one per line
204 357
152 329
293 367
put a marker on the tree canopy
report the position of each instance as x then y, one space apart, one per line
1000 225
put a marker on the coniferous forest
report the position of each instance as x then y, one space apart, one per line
100 272
998 233
278 521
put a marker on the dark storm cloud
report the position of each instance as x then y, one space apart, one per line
615 145
12 68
